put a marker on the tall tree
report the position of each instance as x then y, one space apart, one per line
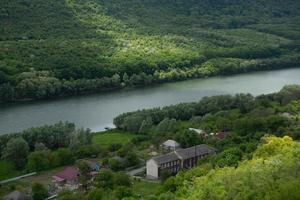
16 151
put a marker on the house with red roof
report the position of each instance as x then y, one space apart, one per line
221 135
68 178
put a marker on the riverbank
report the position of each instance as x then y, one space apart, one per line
53 88
97 111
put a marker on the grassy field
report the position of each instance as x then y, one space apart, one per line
7 170
145 188
112 137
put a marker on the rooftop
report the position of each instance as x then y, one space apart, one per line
15 195
171 143
198 150
190 152
165 158
69 173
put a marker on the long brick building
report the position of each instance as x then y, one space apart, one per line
178 159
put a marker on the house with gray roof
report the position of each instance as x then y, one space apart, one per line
15 195
170 145
177 160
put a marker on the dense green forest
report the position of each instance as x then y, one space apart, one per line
55 48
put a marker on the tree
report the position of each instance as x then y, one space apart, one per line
165 175
16 151
39 192
122 179
63 156
122 192
229 157
80 138
40 147
166 126
132 159
95 194
146 126
7 92
115 164
3 78
69 195
39 160
84 170
272 173
105 179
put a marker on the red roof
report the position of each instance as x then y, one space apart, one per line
70 173
221 135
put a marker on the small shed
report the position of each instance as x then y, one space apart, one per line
94 166
170 145
221 135
198 131
15 195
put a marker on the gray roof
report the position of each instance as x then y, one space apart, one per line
92 164
15 195
198 150
165 158
171 143
190 152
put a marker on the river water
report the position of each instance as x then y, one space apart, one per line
97 111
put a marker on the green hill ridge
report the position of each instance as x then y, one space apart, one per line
54 48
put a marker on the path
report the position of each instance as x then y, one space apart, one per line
136 171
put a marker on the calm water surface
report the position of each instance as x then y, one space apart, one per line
97 111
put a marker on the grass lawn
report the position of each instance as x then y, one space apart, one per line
145 188
112 137
7 170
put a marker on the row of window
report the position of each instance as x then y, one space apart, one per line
170 164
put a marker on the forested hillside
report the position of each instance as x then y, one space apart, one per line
54 48
270 174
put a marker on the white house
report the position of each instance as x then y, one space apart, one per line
198 131
170 145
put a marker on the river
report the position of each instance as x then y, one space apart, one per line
97 111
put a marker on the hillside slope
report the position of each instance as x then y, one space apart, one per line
150 41
270 174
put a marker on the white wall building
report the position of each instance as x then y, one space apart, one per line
179 159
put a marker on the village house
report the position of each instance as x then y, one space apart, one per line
177 160
170 145
16 195
68 178
94 166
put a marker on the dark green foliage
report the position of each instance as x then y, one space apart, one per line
183 111
69 195
288 93
123 192
166 126
96 194
63 156
16 151
229 157
39 160
105 179
188 139
46 159
115 164
39 192
122 179
270 173
54 136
